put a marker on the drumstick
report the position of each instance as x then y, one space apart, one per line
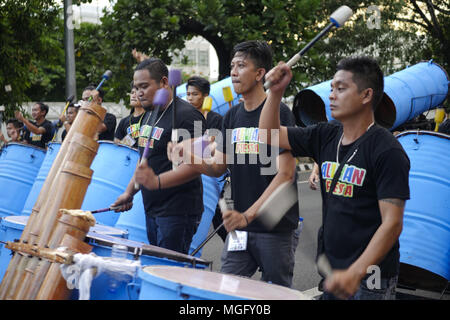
174 81
323 265
160 99
104 210
337 18
277 204
68 101
223 207
228 95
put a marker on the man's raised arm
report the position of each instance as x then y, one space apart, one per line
269 121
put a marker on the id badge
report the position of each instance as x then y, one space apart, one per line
128 140
238 243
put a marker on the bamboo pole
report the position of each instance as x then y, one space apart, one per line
85 123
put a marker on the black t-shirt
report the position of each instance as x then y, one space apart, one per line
63 134
130 126
214 120
39 140
110 123
378 170
253 167
185 199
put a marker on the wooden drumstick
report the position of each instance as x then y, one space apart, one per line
174 81
277 204
104 210
337 19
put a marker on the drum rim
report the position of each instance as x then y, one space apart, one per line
146 249
117 144
424 133
186 284
24 145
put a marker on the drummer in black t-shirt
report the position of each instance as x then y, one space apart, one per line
256 172
172 214
40 131
197 89
127 131
363 222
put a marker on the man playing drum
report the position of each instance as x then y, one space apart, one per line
362 218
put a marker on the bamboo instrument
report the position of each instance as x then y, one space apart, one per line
80 151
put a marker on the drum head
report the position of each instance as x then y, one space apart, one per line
225 284
19 220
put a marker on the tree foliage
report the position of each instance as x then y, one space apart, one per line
24 38
32 32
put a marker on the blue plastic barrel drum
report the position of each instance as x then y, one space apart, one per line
23 170
407 94
425 239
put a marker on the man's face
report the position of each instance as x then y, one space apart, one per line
195 96
345 98
37 113
146 87
71 114
12 132
86 94
244 74
134 102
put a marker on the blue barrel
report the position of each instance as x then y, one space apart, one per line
134 220
175 283
19 165
113 169
11 228
407 94
219 104
147 254
425 239
52 151
212 187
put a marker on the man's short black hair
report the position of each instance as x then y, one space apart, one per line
16 123
155 66
258 51
90 87
76 106
43 107
366 74
200 83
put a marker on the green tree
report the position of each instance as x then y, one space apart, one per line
24 38
157 27
373 30
432 17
